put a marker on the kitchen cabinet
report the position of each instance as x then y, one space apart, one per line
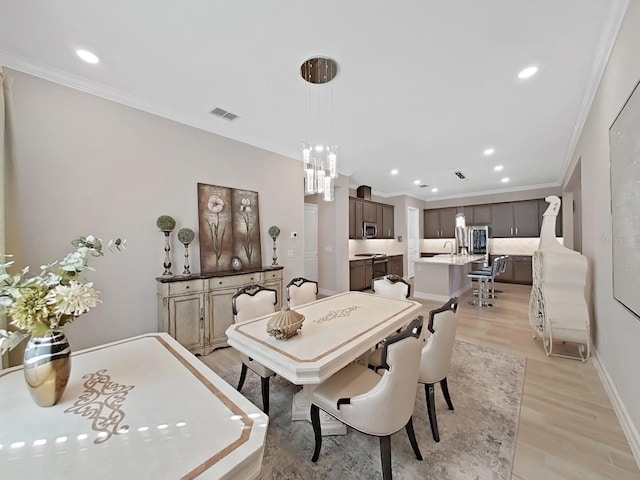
477 214
518 269
515 219
387 222
360 274
395 265
196 309
440 222
381 214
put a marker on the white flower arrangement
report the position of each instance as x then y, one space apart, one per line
41 304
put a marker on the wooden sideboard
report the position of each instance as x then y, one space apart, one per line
196 309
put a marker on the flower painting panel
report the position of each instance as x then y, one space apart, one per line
246 227
215 227
229 226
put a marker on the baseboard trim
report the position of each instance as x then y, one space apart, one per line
629 429
326 293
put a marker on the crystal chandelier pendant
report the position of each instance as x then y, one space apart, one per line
319 161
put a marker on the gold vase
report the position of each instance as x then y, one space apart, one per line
47 366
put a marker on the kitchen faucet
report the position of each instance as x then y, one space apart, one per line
451 244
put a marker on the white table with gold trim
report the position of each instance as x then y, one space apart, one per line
336 331
143 408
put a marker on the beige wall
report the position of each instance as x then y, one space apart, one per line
88 165
616 330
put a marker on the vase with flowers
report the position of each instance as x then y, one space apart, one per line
40 305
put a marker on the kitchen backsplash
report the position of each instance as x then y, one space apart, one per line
387 247
502 246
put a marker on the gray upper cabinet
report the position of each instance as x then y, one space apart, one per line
501 220
477 214
515 219
440 223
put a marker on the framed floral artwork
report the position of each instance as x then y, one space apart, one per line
229 226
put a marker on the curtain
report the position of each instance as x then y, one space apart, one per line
8 203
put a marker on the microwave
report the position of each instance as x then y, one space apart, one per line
369 230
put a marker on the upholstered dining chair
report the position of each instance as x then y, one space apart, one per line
436 357
378 405
391 285
250 302
300 291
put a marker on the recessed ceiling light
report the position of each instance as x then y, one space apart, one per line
498 168
434 190
87 56
489 151
394 171
505 180
528 72
416 182
319 148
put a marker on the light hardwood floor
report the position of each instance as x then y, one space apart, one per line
568 429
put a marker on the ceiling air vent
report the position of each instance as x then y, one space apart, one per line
424 185
460 175
219 112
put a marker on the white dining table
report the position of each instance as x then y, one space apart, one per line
336 331
143 408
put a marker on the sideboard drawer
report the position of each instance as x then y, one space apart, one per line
190 286
234 280
272 275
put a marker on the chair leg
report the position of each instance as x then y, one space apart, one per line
317 431
264 382
385 456
412 438
243 375
431 409
445 391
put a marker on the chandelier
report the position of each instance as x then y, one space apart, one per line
319 159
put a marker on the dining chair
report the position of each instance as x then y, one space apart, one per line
250 302
374 404
391 285
436 357
301 291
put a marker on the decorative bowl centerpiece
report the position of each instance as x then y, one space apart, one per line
285 324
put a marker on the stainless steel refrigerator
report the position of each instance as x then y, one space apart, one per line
479 242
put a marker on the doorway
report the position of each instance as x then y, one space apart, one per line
311 241
413 238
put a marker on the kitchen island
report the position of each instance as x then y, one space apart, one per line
443 276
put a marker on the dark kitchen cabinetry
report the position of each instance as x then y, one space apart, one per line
518 270
440 222
477 215
360 274
515 219
380 214
387 222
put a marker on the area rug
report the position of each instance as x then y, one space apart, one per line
477 439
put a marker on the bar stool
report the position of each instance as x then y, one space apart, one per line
485 279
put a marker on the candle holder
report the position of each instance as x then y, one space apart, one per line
274 231
186 236
166 224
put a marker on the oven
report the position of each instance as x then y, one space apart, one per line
380 265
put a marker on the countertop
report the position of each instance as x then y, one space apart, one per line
353 258
449 259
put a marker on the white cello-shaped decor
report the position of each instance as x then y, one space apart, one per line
558 310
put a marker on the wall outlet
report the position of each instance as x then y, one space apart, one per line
328 249
290 253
